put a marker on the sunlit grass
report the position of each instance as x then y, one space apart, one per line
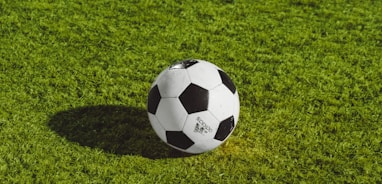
75 77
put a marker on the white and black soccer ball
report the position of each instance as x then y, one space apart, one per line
193 106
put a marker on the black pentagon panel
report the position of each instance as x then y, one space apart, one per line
179 139
153 100
225 128
227 81
183 64
194 98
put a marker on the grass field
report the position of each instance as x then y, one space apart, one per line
74 79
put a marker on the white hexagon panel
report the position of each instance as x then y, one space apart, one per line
221 102
199 73
202 146
208 64
201 126
172 82
157 127
171 114
236 107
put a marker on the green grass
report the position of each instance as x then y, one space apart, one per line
74 78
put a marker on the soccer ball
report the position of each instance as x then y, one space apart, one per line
193 106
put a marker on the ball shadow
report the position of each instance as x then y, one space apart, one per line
119 130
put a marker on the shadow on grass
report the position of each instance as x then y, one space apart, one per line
115 129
